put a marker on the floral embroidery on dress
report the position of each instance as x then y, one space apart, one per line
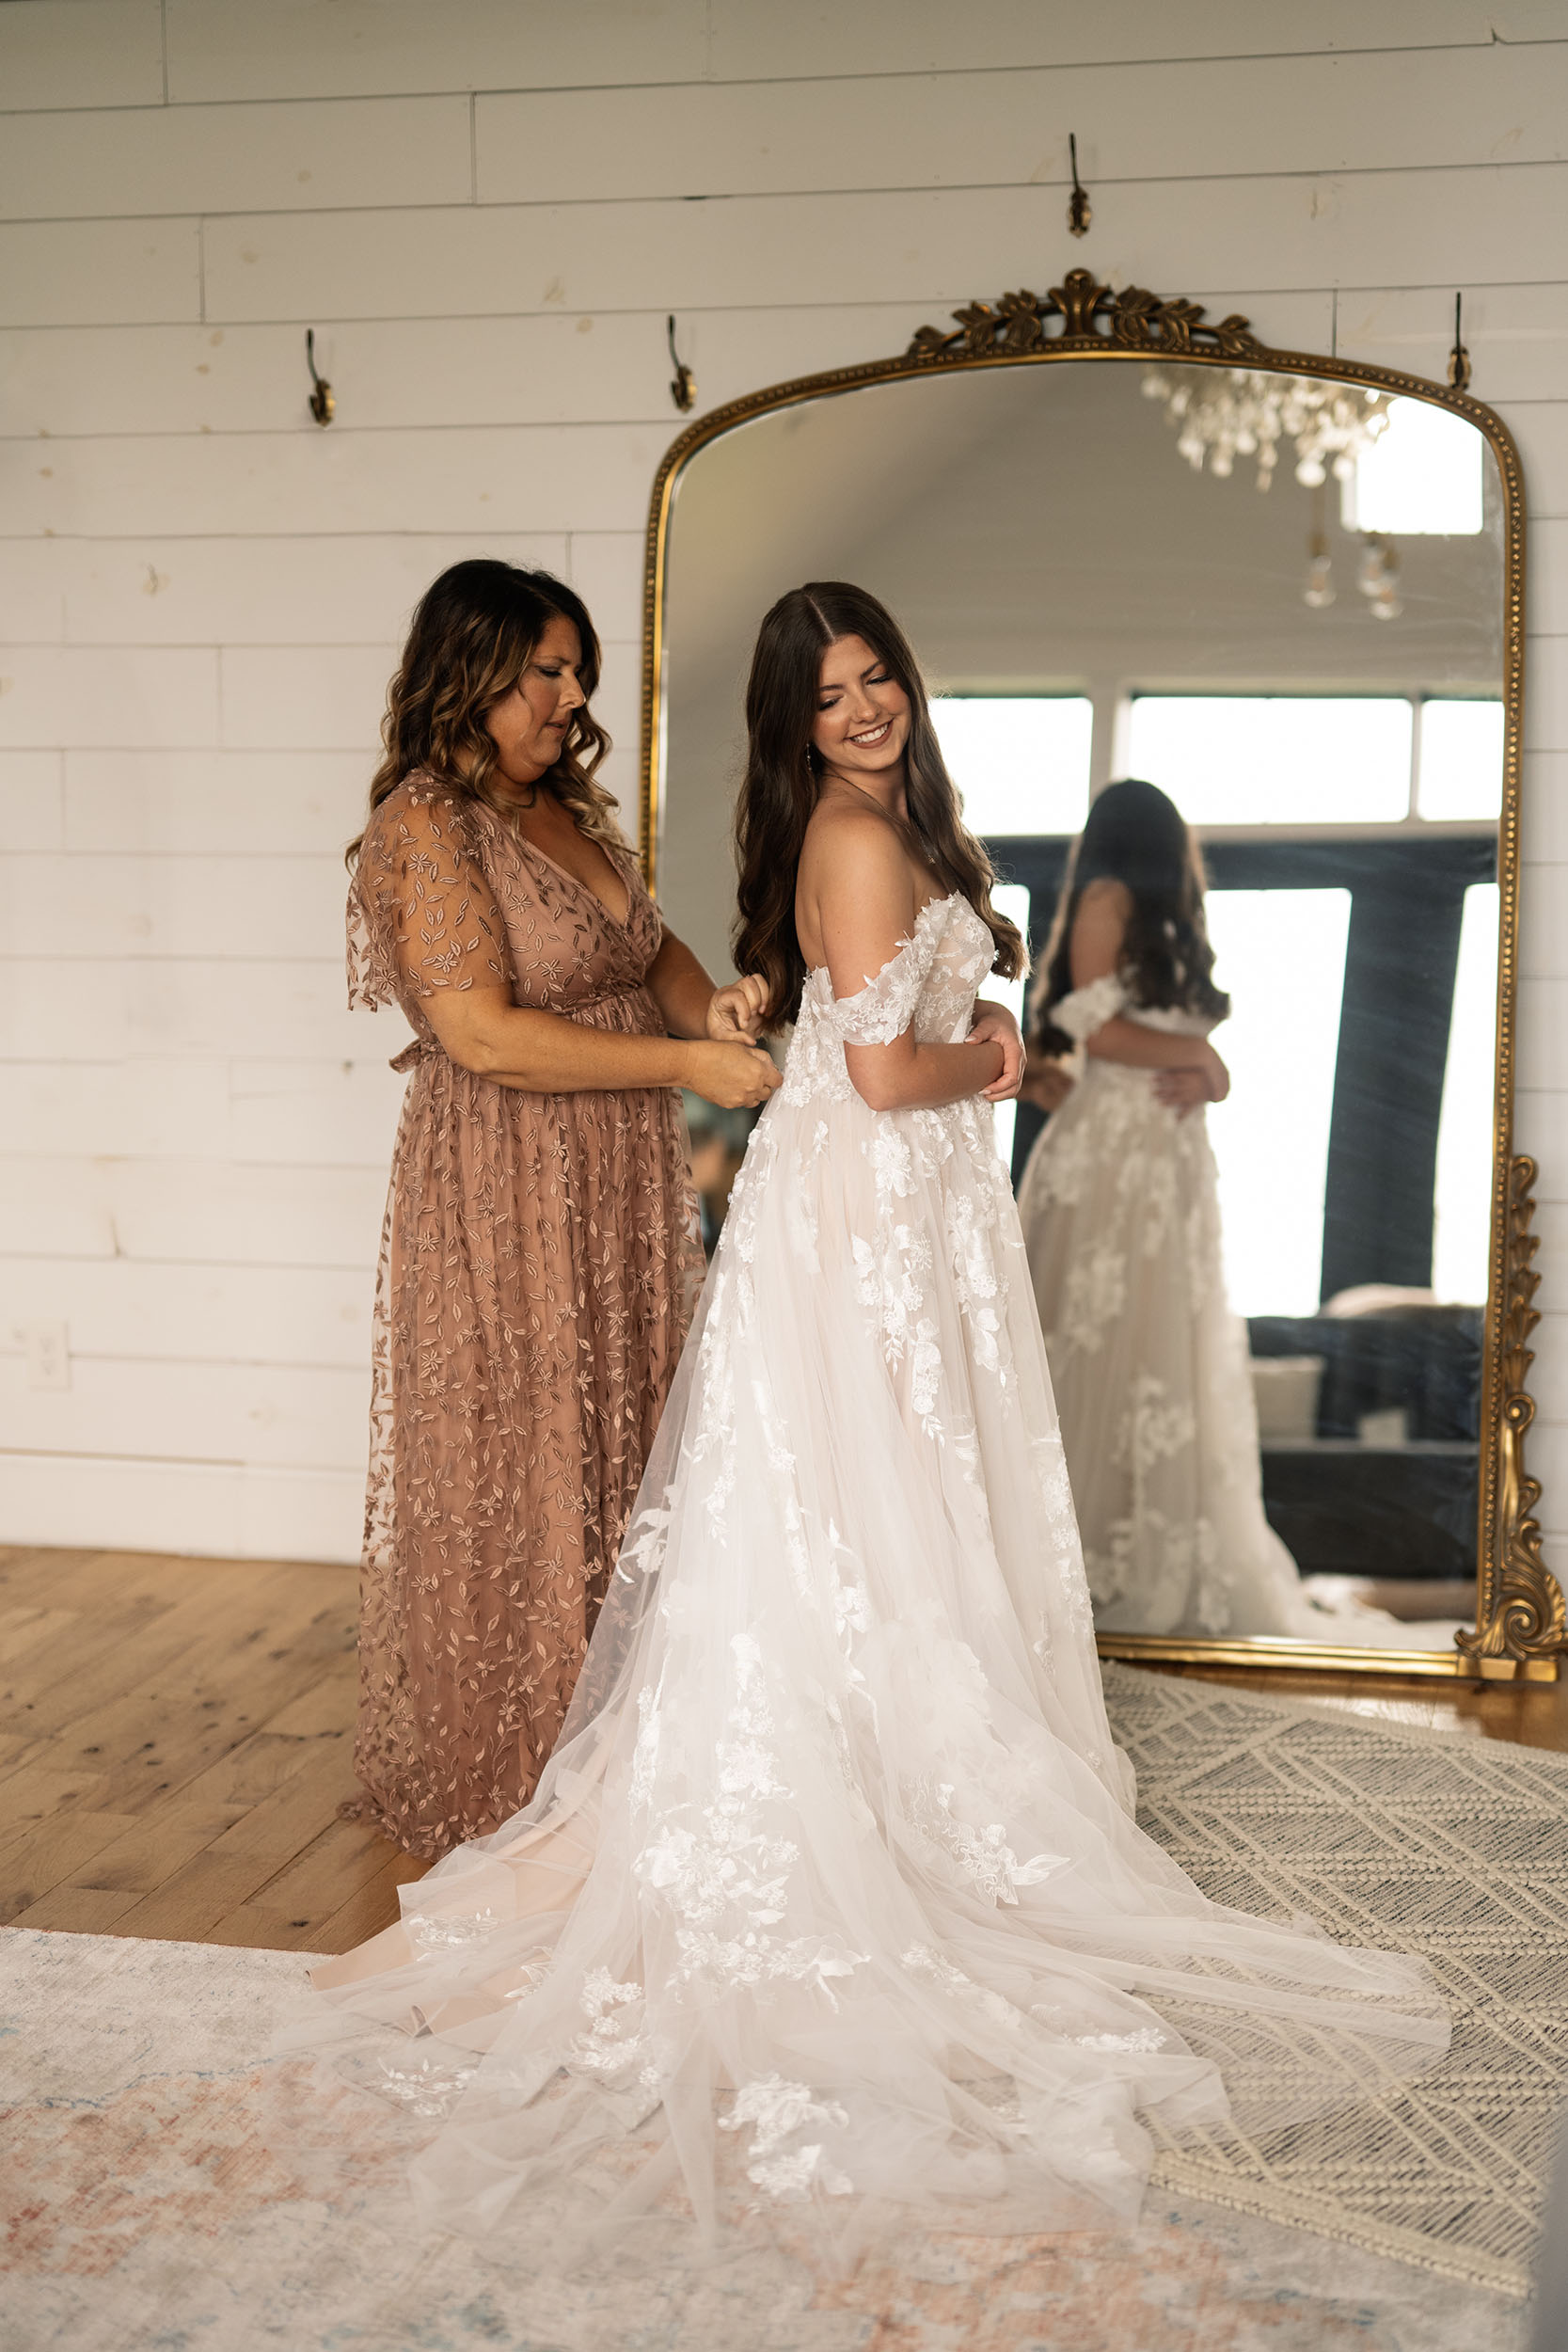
1090 1007
429 2088
1154 1427
982 1289
728 1882
983 1855
921 1961
1096 1294
431 1931
776 2110
928 984
614 2049
884 1008
539 1263
1145 2038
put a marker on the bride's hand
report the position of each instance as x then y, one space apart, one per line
1182 1091
1047 1085
993 1025
735 1014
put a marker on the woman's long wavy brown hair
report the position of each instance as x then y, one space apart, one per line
1136 835
781 785
473 633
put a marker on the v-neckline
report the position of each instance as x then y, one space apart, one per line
620 922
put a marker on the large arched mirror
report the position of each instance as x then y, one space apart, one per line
1288 590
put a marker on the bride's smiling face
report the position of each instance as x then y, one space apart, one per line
862 714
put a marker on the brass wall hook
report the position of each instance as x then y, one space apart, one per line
683 384
1459 358
1079 211
322 405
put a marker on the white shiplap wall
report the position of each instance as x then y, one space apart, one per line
485 208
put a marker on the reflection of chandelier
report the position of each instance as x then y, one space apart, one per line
1227 413
1377 576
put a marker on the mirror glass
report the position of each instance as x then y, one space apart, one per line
1281 600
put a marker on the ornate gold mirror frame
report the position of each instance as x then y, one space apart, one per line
1520 1625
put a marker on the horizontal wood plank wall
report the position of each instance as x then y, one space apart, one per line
485 212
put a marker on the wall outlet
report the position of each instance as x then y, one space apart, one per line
48 1348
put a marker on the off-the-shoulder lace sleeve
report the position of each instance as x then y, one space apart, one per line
1089 1009
883 1008
422 914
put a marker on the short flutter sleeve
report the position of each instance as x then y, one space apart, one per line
884 1008
422 914
1088 1008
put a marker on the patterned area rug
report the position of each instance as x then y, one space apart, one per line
145 2202
1446 1846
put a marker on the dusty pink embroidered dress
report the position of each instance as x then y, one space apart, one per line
538 1264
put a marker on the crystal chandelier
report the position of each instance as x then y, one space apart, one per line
1220 414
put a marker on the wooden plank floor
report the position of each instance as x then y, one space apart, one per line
175 1741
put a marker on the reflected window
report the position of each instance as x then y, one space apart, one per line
1422 474
1276 759
1020 761
1281 955
1011 900
1462 1219
1461 772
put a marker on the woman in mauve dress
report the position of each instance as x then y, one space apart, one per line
540 1254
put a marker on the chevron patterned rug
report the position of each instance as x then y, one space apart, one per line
1450 1846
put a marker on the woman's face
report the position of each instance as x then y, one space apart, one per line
529 726
863 713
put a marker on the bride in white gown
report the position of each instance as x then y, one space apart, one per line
830 1898
1120 1207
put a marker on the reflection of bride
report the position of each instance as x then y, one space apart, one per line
1119 1208
831 1894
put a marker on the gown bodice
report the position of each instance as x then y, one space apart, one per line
930 982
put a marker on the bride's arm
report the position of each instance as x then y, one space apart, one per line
1099 930
867 904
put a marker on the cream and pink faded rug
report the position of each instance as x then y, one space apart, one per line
163 2186
144 2207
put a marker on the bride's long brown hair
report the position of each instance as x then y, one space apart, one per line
473 633
782 785
1136 835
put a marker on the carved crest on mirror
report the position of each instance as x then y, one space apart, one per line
1520 1628
1133 320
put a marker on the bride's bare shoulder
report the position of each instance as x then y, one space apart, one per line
853 847
1103 910
853 868
1099 929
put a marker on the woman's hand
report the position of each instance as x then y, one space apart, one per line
1182 1091
736 1014
1188 1088
1047 1085
737 1078
993 1025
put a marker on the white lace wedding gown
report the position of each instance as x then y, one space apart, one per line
1119 1208
830 1897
